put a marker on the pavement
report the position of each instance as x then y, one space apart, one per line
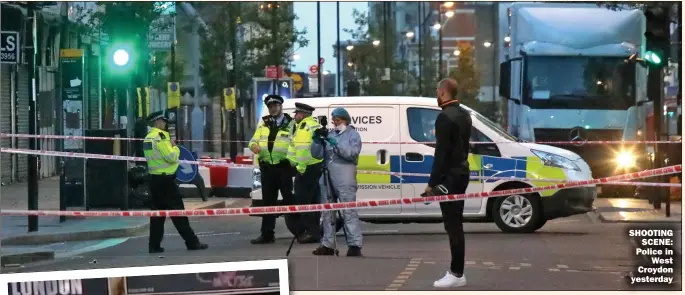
575 253
56 239
637 210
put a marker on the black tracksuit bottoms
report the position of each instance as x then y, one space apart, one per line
453 219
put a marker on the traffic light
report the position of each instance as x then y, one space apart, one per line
657 34
120 58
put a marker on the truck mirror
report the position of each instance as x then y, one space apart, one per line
505 79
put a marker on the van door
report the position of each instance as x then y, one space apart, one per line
377 123
418 158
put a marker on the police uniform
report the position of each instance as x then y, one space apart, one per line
273 138
308 173
162 162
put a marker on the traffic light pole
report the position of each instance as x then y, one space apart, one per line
30 54
318 47
655 92
233 83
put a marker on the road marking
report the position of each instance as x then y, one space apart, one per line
402 278
553 269
470 262
488 263
562 266
525 264
572 270
514 267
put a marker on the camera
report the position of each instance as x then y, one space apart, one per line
323 131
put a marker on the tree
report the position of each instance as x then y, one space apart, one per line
263 48
467 75
367 61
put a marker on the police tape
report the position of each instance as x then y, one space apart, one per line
218 163
578 143
288 209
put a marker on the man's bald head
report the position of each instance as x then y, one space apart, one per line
447 90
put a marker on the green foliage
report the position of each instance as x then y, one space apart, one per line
252 55
131 20
160 69
368 61
642 6
467 76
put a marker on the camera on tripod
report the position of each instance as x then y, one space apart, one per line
323 131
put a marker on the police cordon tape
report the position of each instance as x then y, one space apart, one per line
72 137
288 209
244 166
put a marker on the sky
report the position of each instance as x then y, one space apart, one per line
306 11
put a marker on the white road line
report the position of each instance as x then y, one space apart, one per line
553 269
562 266
514 267
488 263
525 264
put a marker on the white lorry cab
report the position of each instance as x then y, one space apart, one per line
565 77
406 123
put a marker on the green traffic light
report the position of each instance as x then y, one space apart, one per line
120 57
652 58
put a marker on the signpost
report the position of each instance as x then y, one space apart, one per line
161 35
274 72
186 172
73 110
9 47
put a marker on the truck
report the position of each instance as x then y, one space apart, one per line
565 75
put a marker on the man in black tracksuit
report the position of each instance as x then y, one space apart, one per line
451 171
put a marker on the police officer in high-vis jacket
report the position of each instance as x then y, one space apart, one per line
162 161
308 169
270 144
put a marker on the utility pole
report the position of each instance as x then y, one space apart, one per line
338 74
318 47
233 80
30 49
420 6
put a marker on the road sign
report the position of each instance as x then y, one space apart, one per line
186 172
173 95
313 69
297 81
9 47
321 61
274 72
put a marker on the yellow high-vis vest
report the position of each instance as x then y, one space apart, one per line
299 153
161 155
281 142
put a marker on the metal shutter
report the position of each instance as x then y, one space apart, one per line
5 122
22 120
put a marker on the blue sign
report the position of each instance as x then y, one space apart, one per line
265 87
186 172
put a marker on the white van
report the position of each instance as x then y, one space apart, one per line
412 119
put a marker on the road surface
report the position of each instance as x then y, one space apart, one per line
576 253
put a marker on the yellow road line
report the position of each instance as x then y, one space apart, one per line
402 278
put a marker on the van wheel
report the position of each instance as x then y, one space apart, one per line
541 223
517 213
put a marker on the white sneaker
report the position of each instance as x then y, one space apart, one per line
450 281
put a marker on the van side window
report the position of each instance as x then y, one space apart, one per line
476 135
421 123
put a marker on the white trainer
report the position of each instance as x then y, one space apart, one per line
450 281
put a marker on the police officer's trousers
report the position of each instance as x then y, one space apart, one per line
453 219
164 195
307 192
275 178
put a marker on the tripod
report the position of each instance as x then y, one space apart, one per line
332 198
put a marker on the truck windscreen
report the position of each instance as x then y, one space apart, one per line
579 82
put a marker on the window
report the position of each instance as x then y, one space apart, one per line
421 123
476 135
586 83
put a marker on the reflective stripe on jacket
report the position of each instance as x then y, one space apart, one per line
299 153
161 155
280 143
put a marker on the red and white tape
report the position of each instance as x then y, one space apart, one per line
345 205
593 142
244 166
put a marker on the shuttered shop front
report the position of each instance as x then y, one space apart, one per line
5 121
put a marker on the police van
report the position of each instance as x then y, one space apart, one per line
406 123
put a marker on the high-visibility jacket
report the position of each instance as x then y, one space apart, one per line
273 140
161 155
299 153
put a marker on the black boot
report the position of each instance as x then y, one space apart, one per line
197 246
308 238
323 251
263 239
155 249
354 251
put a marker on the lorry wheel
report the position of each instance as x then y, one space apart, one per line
518 213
